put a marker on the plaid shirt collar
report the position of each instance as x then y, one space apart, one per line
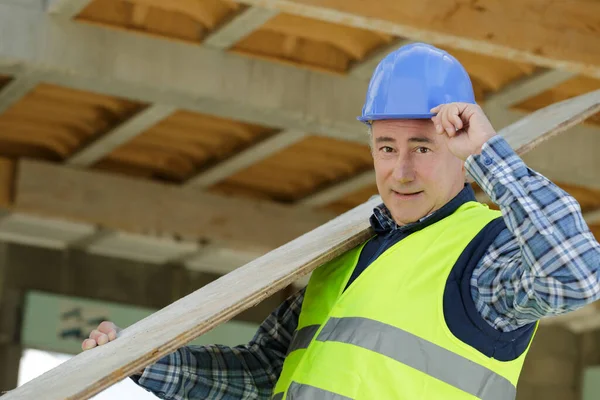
382 221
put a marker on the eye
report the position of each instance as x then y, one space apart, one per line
422 150
386 149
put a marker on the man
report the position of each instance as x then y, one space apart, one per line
443 301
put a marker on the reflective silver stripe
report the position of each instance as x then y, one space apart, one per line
303 337
277 396
419 354
299 391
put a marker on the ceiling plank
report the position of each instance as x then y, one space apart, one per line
66 9
238 27
16 89
126 131
527 87
245 159
136 206
187 76
543 40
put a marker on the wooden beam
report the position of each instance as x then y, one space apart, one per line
137 206
129 129
527 87
245 158
238 27
339 190
543 41
66 9
16 89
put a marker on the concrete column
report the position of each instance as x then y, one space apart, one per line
10 349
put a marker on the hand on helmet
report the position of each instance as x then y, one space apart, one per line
465 125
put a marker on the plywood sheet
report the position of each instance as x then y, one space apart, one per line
182 145
52 122
301 169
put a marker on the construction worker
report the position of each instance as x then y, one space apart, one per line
444 300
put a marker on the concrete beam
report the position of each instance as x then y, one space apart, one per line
66 9
111 279
129 129
158 210
545 43
184 75
238 27
245 159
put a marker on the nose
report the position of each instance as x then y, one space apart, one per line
404 171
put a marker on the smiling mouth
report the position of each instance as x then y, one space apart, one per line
407 195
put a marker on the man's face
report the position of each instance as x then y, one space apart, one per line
416 173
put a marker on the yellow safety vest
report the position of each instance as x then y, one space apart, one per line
385 337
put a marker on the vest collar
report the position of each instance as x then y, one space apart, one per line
382 221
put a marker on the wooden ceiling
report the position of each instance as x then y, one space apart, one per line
53 122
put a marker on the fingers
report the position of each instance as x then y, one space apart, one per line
110 329
448 119
100 337
88 344
106 332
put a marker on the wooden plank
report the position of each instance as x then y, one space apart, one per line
245 158
551 120
137 206
92 371
556 38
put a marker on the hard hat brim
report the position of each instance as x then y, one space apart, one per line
367 118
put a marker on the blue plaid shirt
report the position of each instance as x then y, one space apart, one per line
545 263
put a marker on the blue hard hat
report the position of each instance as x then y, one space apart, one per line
412 80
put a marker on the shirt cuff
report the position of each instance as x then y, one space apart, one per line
161 378
497 169
507 180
